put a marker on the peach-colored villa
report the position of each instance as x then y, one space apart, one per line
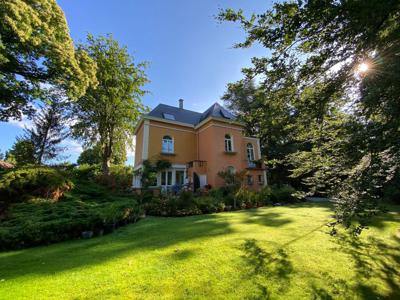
198 146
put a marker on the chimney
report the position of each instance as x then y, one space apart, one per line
181 103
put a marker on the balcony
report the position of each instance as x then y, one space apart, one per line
196 164
257 165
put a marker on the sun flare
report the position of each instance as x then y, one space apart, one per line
363 67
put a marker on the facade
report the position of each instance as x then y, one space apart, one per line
198 146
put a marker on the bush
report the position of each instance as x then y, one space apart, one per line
210 204
283 193
24 183
41 221
120 177
86 172
169 205
247 199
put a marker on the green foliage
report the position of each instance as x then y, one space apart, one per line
149 171
283 194
107 114
92 155
246 199
169 205
232 179
22 153
86 172
36 50
119 178
217 200
25 183
320 118
88 207
276 252
48 131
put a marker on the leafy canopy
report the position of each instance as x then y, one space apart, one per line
338 123
36 51
107 114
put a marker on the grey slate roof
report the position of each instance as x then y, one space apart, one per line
218 111
188 116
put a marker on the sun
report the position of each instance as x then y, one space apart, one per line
363 67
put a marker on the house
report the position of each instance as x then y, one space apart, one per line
198 146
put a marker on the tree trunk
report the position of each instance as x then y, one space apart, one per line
105 166
106 159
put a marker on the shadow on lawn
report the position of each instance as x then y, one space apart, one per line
373 258
265 218
148 234
262 265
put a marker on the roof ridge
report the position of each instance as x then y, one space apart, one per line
178 108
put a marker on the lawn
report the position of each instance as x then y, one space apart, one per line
281 252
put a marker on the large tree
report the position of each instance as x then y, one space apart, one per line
93 154
48 130
107 114
21 153
36 51
338 64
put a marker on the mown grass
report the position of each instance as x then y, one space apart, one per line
277 252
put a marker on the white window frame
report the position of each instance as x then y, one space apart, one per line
173 170
165 175
228 143
250 152
167 145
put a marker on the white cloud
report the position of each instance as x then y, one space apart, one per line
24 122
72 146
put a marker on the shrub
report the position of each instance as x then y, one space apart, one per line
264 196
40 222
24 183
86 172
283 193
248 199
119 178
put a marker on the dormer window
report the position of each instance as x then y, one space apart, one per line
228 143
169 116
167 144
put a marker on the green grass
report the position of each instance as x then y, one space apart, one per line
283 252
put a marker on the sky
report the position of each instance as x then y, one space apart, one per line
190 54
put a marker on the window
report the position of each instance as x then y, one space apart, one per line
250 152
168 116
260 180
166 178
167 144
228 143
180 177
249 179
231 170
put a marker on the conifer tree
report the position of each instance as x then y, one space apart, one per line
48 132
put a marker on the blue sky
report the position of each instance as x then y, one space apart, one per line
190 54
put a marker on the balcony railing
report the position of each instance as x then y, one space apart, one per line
196 163
254 165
